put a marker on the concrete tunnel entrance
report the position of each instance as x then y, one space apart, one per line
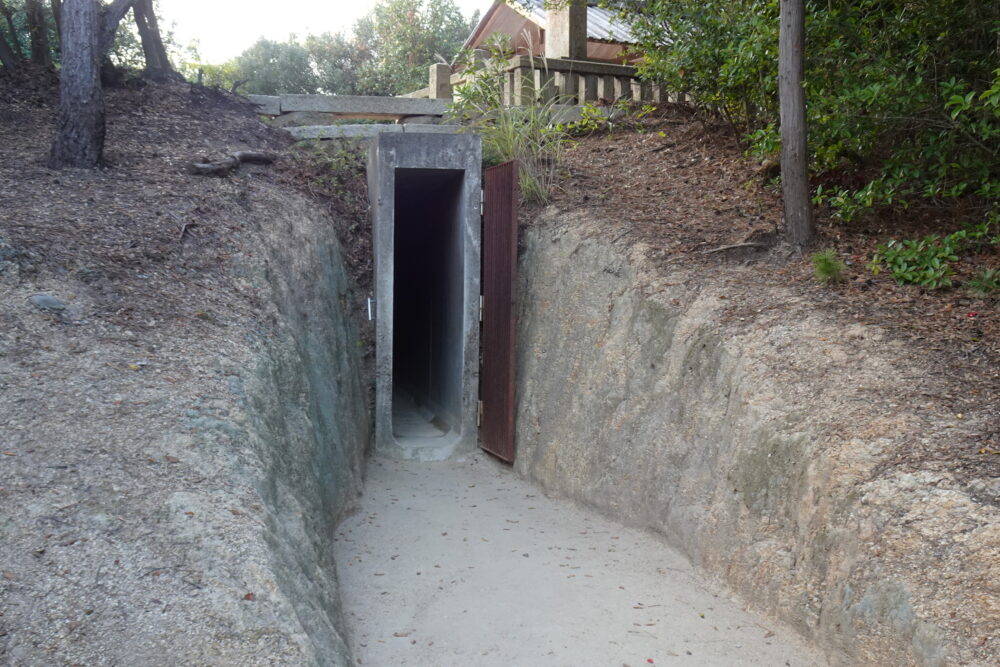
427 303
426 215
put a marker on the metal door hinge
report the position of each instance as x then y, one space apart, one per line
479 415
480 307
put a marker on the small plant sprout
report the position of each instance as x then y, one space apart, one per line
827 267
985 283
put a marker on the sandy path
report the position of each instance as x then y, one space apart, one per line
462 563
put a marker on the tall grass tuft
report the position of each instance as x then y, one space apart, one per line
528 134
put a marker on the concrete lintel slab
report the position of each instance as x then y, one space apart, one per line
266 104
365 106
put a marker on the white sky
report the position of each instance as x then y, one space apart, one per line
225 28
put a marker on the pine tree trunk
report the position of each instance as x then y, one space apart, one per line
79 140
57 15
157 62
7 57
38 31
799 224
15 41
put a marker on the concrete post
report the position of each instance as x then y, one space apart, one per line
588 88
566 85
524 87
642 90
606 88
508 89
545 87
440 82
566 34
623 88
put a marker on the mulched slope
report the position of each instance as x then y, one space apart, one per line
686 189
141 232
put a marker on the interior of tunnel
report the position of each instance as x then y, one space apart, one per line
428 298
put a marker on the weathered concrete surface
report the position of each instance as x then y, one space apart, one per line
269 105
462 563
366 131
360 106
758 450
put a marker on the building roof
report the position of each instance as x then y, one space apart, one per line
601 23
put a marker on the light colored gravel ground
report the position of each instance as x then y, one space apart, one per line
462 563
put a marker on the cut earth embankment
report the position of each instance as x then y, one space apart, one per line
184 415
762 446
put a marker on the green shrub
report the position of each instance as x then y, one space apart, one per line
927 261
827 267
903 95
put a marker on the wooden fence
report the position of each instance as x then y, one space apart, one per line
527 80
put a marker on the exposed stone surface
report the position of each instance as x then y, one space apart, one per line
172 469
762 452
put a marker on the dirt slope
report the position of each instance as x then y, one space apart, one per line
149 347
685 189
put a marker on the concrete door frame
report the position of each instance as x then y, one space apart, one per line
456 152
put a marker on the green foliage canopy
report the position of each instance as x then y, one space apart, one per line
387 54
904 95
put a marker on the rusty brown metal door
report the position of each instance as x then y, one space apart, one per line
499 261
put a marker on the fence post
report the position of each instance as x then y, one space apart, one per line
440 82
567 84
606 88
642 90
544 85
508 88
587 85
524 87
623 88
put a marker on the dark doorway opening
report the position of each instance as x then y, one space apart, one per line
428 302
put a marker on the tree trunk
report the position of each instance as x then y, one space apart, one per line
799 225
15 40
157 62
79 140
57 15
7 57
38 31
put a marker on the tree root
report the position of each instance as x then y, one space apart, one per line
226 166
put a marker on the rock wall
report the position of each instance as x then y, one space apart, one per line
170 482
757 445
309 401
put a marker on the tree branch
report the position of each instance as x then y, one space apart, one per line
111 16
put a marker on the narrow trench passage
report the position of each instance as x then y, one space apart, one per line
462 563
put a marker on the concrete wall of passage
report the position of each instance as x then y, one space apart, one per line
390 155
759 451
